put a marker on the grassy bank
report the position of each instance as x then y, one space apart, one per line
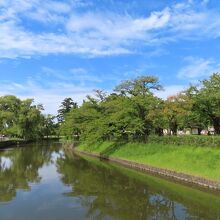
197 161
175 191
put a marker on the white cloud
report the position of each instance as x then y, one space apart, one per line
16 42
198 67
55 92
205 2
170 91
113 26
97 33
77 74
82 75
50 97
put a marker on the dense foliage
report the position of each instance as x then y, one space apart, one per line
186 140
65 108
23 119
133 112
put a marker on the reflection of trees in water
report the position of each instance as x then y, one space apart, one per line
103 190
24 165
106 192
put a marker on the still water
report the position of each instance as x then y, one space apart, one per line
43 182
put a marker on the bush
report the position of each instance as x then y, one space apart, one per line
187 140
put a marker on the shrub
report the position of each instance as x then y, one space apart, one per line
187 140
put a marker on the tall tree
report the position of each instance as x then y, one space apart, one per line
49 126
140 86
9 111
175 111
157 117
66 105
20 118
192 117
29 121
207 100
140 91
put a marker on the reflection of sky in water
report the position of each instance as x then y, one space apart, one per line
177 209
56 155
5 162
73 188
48 173
46 199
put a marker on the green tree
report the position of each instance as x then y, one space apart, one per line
133 112
119 116
29 121
192 118
49 125
66 105
140 91
157 117
9 111
207 101
140 86
175 111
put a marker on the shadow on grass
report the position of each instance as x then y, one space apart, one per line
111 149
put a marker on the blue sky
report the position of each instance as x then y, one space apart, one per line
54 49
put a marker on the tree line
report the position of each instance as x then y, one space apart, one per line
132 111
24 119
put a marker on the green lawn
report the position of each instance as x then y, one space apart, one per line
198 161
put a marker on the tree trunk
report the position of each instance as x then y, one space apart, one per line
159 131
216 124
174 128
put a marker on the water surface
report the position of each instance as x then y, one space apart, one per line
44 182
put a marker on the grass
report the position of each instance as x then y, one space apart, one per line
178 192
197 161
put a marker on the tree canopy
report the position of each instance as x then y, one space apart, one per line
24 119
130 113
133 111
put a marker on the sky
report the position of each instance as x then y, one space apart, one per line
53 49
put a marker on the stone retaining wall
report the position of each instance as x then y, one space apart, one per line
199 181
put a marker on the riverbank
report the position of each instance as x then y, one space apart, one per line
18 142
11 143
196 165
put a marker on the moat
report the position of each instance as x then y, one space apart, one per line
45 182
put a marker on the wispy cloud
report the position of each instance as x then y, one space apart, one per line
95 33
170 91
82 75
55 92
198 67
77 74
117 26
50 96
